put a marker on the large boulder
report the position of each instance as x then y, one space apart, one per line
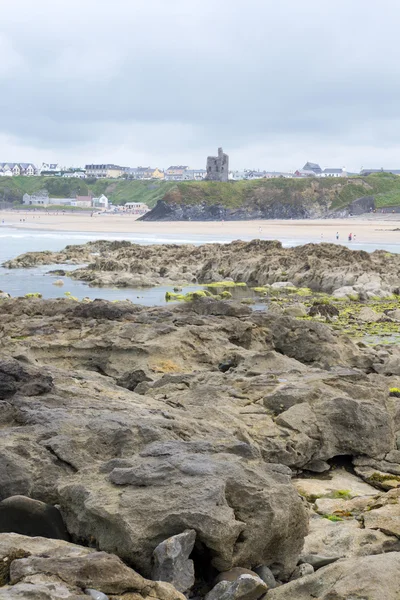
244 513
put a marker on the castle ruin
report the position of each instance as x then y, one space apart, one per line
218 167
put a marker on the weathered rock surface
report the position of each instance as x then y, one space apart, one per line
369 578
246 587
134 431
322 267
53 569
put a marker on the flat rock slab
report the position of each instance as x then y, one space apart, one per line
365 578
329 540
339 480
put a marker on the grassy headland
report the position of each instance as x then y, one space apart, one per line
324 194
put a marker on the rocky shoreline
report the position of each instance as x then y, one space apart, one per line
322 267
204 449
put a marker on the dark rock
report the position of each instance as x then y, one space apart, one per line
16 377
19 514
266 575
323 310
131 380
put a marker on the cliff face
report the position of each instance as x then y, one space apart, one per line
275 198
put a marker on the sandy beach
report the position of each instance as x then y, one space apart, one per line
368 229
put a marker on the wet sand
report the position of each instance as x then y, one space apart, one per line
368 228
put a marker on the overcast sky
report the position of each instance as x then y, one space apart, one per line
160 82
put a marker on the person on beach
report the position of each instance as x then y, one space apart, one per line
337 235
350 237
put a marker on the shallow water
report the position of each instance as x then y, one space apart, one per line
19 282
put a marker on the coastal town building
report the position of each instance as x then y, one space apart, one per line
194 175
100 202
50 167
175 172
145 173
17 169
105 171
312 167
42 199
266 174
314 170
83 201
75 173
218 167
39 199
333 173
305 173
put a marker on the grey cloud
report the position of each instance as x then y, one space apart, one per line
87 78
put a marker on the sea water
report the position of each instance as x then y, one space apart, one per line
19 282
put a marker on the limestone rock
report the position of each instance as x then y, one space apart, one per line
394 314
345 292
172 563
383 513
282 284
27 380
326 267
96 595
99 571
329 541
246 587
296 310
369 577
338 483
301 571
266 575
368 315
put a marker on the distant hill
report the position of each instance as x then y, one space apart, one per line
118 191
277 198
260 198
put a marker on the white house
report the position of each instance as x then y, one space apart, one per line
236 175
51 167
100 202
194 174
78 173
333 173
39 199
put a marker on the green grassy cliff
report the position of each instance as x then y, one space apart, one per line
323 195
118 191
325 192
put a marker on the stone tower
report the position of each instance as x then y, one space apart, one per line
218 167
